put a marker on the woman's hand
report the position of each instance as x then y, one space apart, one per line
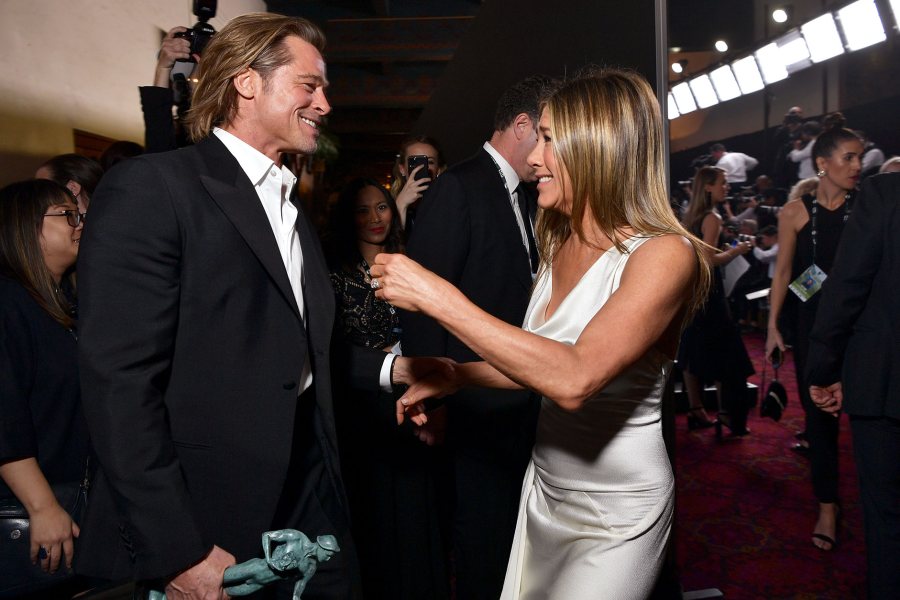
53 530
437 384
405 284
412 190
773 340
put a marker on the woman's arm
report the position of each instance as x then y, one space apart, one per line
653 290
51 527
711 228
788 220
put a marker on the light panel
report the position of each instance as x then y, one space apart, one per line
684 99
895 8
703 91
823 38
793 51
724 82
861 24
672 107
770 64
747 74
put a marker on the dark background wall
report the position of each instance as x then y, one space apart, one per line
512 39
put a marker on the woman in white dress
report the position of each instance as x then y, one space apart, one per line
619 277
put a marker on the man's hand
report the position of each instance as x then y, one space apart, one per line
413 371
830 399
203 581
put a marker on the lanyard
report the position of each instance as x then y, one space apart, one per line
815 209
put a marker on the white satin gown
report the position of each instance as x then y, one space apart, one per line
597 499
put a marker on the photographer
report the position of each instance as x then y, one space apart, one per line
157 100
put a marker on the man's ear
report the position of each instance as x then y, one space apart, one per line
247 83
523 126
74 187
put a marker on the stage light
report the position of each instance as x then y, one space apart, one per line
822 38
703 91
861 24
683 98
721 46
793 51
770 64
724 82
672 107
779 15
747 74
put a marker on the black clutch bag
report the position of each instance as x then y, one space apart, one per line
18 576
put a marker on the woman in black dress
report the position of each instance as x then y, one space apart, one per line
809 230
387 470
43 435
711 348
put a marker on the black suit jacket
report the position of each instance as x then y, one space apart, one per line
466 232
191 354
856 336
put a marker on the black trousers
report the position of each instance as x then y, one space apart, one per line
312 503
821 431
876 449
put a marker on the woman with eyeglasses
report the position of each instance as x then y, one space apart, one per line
43 435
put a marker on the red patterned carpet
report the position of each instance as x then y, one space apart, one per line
746 510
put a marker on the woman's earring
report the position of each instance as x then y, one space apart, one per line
820 173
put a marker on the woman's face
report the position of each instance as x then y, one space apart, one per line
843 166
59 240
417 149
718 189
553 185
373 216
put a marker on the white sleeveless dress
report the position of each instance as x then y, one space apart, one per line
597 500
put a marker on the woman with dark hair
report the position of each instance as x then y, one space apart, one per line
711 348
387 470
619 276
405 188
43 435
79 174
809 230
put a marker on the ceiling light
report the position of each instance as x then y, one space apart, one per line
703 91
721 46
861 24
822 38
677 68
724 82
779 15
672 108
683 98
770 64
747 74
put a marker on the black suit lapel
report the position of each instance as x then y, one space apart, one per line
230 188
317 291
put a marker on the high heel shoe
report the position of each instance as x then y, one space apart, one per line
724 418
698 419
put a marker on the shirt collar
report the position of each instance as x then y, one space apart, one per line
512 179
254 163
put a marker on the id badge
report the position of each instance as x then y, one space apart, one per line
808 283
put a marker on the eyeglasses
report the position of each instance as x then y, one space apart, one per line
73 217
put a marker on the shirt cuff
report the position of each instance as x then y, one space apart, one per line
384 379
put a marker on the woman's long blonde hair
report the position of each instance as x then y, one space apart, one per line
608 134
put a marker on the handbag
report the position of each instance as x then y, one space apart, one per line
18 576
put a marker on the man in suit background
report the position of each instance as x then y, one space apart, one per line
206 320
854 359
475 229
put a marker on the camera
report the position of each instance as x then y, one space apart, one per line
202 31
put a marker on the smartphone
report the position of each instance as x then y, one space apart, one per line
414 161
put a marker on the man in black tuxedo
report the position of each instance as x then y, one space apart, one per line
206 320
475 229
854 358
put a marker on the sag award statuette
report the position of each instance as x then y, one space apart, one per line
289 555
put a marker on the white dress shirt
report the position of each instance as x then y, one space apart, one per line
511 180
736 165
